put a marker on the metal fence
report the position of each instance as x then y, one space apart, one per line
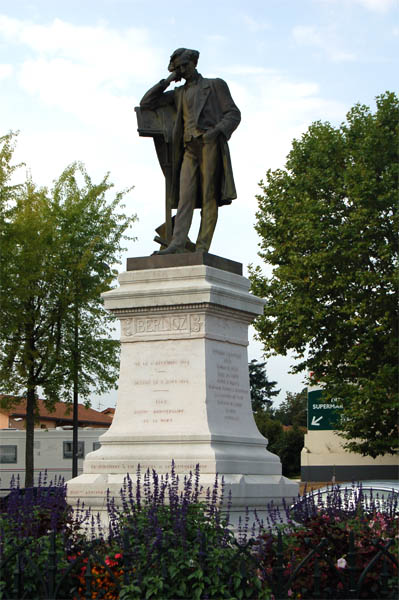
80 579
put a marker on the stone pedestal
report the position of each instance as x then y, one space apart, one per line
184 386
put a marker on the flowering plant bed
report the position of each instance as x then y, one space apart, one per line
106 573
165 543
329 558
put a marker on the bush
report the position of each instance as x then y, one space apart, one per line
328 544
33 511
336 552
180 545
288 447
286 444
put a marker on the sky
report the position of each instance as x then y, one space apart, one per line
72 71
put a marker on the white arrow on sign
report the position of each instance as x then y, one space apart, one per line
316 421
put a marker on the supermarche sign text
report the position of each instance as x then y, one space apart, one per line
322 415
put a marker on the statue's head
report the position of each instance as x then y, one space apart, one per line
184 62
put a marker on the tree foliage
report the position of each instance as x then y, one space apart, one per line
91 230
8 192
287 443
293 410
270 427
328 225
91 233
288 447
31 307
262 390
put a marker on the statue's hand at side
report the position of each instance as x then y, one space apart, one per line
210 135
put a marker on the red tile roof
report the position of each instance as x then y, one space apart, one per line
62 412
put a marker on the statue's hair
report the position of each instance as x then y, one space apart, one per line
191 55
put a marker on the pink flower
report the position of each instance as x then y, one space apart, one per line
118 555
341 563
290 592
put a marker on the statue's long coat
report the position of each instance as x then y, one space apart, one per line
213 106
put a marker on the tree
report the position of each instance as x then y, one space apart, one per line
7 190
286 443
32 306
293 410
328 225
270 427
53 329
288 447
262 390
91 233
8 194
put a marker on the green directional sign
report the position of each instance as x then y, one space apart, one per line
322 415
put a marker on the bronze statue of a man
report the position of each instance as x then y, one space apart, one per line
201 174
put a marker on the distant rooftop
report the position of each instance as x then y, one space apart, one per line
62 412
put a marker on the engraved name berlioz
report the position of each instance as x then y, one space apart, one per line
183 323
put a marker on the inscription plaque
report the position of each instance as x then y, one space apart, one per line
227 388
160 385
139 326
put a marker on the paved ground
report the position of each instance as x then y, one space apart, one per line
313 485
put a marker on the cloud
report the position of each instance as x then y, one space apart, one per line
112 57
275 110
325 40
5 71
216 38
254 25
75 89
247 70
126 54
380 6
92 72
339 56
307 35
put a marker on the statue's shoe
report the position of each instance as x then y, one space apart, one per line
171 250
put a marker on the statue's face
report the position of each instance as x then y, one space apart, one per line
185 70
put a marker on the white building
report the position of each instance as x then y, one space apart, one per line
323 457
52 452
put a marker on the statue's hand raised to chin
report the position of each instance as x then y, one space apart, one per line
173 76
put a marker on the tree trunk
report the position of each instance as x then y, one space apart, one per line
75 393
30 432
30 405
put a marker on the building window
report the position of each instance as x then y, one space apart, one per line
96 445
67 447
8 454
